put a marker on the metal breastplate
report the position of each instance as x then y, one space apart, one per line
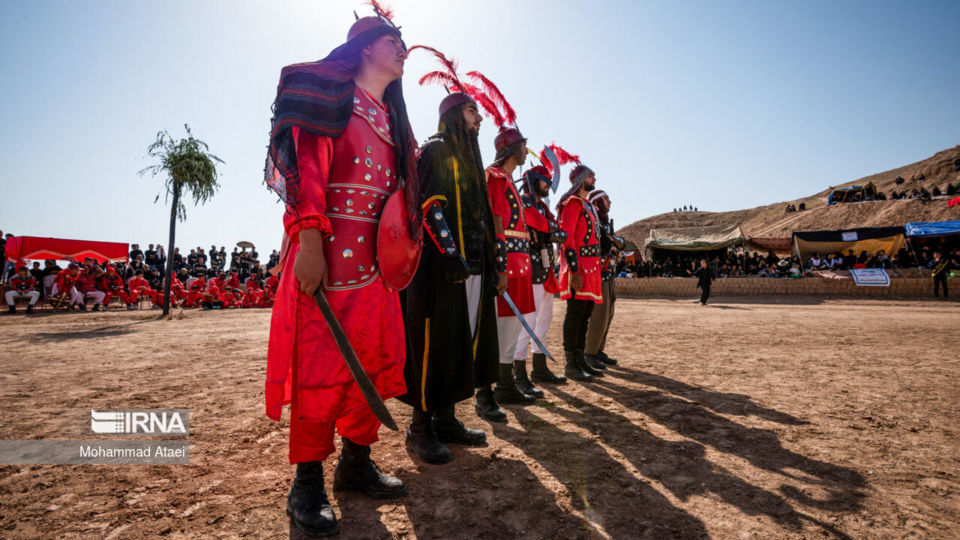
362 177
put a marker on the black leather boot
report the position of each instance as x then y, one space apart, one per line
11 310
523 383
452 431
506 390
595 362
487 406
541 374
357 472
307 504
29 308
585 366
422 441
572 367
607 359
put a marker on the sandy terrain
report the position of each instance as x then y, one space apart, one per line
763 419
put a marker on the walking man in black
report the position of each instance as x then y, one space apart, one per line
704 279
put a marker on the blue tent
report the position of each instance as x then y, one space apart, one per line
936 228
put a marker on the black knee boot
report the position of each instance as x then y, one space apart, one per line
541 374
506 390
573 369
423 441
585 366
487 406
307 504
357 472
451 430
523 383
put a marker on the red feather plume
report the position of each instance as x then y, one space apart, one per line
563 156
386 13
448 77
509 115
489 106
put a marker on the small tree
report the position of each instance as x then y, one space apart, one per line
190 169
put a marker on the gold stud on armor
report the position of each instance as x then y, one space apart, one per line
368 177
369 149
347 253
368 162
356 160
361 239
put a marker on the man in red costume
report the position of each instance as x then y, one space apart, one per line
112 285
253 296
66 281
141 287
579 270
22 285
340 145
197 294
544 232
87 284
513 256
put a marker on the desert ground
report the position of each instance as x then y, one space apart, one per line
766 418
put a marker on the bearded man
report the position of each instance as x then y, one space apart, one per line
449 306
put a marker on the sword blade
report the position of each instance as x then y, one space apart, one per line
513 307
353 363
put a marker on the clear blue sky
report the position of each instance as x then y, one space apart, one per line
719 104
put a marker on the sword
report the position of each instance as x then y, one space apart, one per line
527 327
353 363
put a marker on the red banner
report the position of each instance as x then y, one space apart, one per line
37 248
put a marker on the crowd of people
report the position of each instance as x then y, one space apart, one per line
723 264
200 279
686 208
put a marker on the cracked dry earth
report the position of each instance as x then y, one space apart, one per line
808 419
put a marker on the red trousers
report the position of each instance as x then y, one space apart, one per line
313 441
110 294
149 293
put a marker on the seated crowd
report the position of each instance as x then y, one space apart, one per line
195 283
729 263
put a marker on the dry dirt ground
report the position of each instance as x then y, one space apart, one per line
764 419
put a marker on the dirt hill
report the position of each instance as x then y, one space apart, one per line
773 221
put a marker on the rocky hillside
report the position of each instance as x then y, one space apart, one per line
773 221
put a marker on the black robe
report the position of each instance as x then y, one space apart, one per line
444 363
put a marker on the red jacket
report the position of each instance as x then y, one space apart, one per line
505 203
23 285
579 219
344 183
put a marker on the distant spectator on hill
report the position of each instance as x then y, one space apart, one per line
936 191
802 207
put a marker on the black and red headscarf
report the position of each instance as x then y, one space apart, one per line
318 97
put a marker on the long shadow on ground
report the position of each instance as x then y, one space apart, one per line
94 333
472 497
623 505
683 468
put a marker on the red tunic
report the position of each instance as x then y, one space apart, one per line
505 203
539 217
344 183
579 219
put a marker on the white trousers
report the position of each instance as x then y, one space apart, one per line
508 328
96 295
539 320
74 294
473 287
13 295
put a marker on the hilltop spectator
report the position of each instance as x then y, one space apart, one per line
899 180
952 189
936 191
